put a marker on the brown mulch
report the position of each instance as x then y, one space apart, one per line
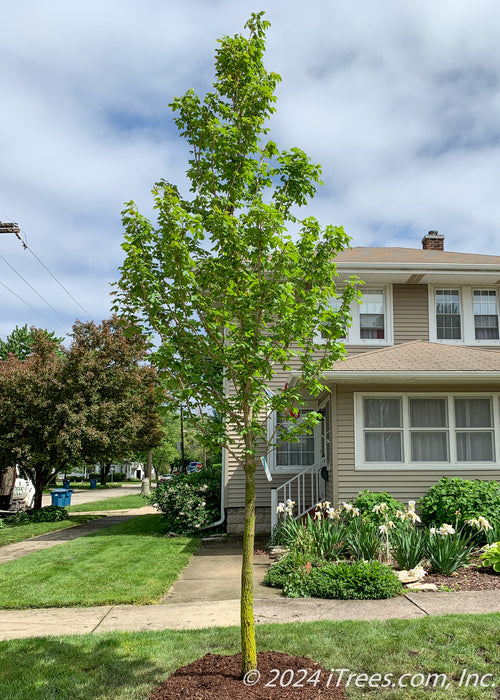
469 578
219 677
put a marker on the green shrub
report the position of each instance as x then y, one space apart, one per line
469 499
189 502
280 572
48 514
353 581
367 500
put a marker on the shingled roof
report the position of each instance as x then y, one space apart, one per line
421 356
415 256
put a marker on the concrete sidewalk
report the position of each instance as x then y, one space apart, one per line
207 595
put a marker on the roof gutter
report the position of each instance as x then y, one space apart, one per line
414 376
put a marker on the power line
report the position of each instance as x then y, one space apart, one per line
31 287
55 278
32 307
16 230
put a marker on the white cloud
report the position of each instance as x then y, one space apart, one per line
400 102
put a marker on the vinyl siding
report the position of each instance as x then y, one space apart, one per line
411 312
235 484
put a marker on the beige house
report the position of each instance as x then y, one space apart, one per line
417 398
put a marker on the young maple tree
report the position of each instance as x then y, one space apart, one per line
224 285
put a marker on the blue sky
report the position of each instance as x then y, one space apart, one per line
399 102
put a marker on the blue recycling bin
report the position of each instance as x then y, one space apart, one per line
93 483
66 483
61 497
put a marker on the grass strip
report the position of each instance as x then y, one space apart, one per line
131 562
117 503
18 533
127 666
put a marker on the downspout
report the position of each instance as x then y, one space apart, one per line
222 476
222 488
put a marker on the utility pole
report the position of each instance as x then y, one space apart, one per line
183 466
6 227
9 228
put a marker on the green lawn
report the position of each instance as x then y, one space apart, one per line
127 563
117 503
128 666
18 533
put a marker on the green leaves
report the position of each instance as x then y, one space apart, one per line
218 277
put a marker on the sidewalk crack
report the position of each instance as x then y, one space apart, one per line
102 619
416 605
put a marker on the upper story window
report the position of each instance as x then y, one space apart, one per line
465 315
371 320
485 314
448 317
371 315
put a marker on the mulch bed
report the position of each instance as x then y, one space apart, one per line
469 578
217 676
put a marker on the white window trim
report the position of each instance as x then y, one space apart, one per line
353 332
453 464
271 455
466 297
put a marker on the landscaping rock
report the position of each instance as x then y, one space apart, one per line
277 550
411 576
422 587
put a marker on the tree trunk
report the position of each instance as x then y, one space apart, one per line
104 473
248 648
38 497
146 480
149 467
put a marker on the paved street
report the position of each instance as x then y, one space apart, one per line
90 495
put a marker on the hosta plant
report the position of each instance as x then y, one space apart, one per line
491 556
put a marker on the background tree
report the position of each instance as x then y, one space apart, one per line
20 341
221 281
114 396
33 412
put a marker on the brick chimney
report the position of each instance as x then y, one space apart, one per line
433 241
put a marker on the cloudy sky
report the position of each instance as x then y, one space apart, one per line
399 102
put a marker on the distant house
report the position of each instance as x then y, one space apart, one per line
418 396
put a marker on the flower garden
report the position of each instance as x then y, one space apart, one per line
371 547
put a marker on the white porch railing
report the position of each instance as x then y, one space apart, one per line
305 489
